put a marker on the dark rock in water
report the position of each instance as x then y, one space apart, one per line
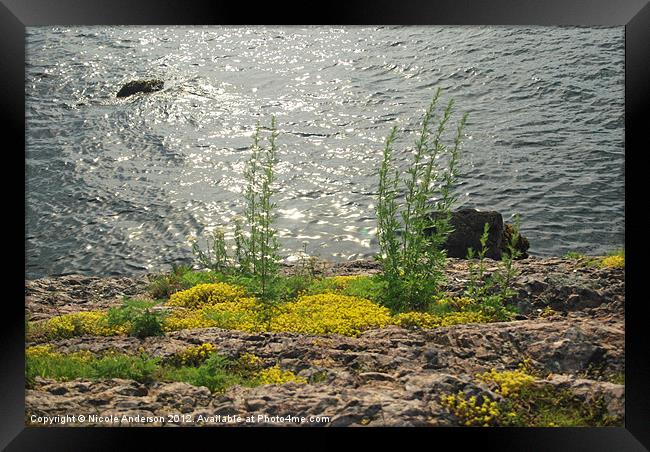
140 86
468 227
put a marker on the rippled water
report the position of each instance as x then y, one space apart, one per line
117 185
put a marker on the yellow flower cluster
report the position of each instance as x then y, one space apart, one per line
457 303
276 376
206 294
186 319
232 315
38 351
527 366
225 306
469 411
194 355
327 313
249 362
330 314
457 318
242 315
509 383
616 261
427 320
46 351
94 323
417 320
548 312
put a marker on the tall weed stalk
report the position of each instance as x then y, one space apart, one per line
411 233
256 244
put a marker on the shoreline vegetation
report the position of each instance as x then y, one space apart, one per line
411 338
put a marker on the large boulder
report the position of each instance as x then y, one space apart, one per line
140 86
468 227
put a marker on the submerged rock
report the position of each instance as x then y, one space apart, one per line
468 227
140 86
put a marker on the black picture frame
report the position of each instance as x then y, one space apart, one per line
15 15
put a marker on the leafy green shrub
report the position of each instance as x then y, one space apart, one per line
138 317
214 374
163 285
146 324
412 261
291 287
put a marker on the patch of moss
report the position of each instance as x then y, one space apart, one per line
526 402
543 405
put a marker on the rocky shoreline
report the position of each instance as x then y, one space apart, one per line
570 327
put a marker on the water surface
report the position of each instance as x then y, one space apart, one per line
116 186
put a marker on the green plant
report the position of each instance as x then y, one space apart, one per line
290 287
368 287
478 287
256 250
493 292
308 264
269 258
139 317
43 362
163 285
507 270
214 373
199 366
215 257
574 255
412 261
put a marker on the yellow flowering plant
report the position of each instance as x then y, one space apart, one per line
206 294
470 411
508 383
276 376
93 323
